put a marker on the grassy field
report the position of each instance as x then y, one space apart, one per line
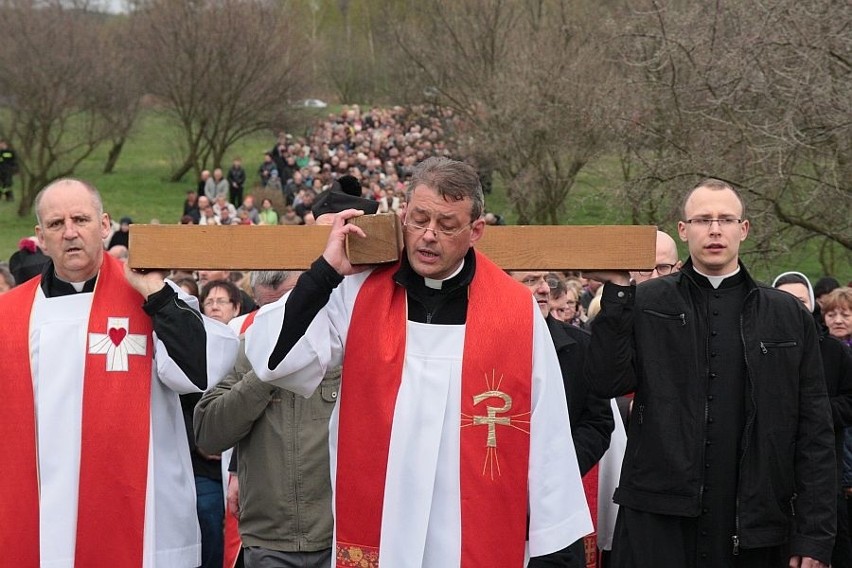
139 188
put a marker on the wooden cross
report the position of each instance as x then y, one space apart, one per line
280 247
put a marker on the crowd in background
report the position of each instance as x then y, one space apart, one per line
379 148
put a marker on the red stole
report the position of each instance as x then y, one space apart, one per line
590 541
496 374
115 431
247 322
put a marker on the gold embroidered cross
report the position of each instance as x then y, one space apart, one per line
491 419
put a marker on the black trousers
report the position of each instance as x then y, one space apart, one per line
648 540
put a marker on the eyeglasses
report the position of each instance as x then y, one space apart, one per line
448 233
535 281
662 269
707 223
209 303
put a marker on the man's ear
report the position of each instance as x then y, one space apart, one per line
681 230
105 225
476 230
744 227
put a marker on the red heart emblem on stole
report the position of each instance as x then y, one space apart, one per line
116 335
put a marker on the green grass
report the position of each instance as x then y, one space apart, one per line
139 188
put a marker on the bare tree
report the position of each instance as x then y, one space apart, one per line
531 82
346 56
48 56
755 92
122 87
225 69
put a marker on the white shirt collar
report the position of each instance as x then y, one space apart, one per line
438 284
716 281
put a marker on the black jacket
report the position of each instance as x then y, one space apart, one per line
591 416
650 340
837 365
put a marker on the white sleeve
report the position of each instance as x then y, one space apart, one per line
320 349
559 514
609 472
222 346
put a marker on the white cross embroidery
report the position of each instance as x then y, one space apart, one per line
117 343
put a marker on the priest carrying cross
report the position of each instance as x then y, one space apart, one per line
94 356
450 443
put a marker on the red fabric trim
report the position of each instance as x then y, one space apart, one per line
115 433
590 548
233 542
372 373
19 491
498 356
249 319
590 486
372 365
355 556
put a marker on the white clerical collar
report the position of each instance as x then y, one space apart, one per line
78 286
716 281
438 284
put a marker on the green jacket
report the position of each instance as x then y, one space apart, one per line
282 442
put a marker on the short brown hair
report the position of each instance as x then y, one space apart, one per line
453 180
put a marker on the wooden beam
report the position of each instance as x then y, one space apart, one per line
532 247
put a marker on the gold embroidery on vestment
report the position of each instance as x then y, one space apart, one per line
492 420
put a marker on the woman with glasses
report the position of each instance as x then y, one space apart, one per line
563 299
220 300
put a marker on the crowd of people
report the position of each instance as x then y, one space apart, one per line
684 415
378 148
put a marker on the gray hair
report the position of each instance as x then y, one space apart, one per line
97 202
453 180
268 278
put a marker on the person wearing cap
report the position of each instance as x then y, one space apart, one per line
28 261
122 236
343 194
450 443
